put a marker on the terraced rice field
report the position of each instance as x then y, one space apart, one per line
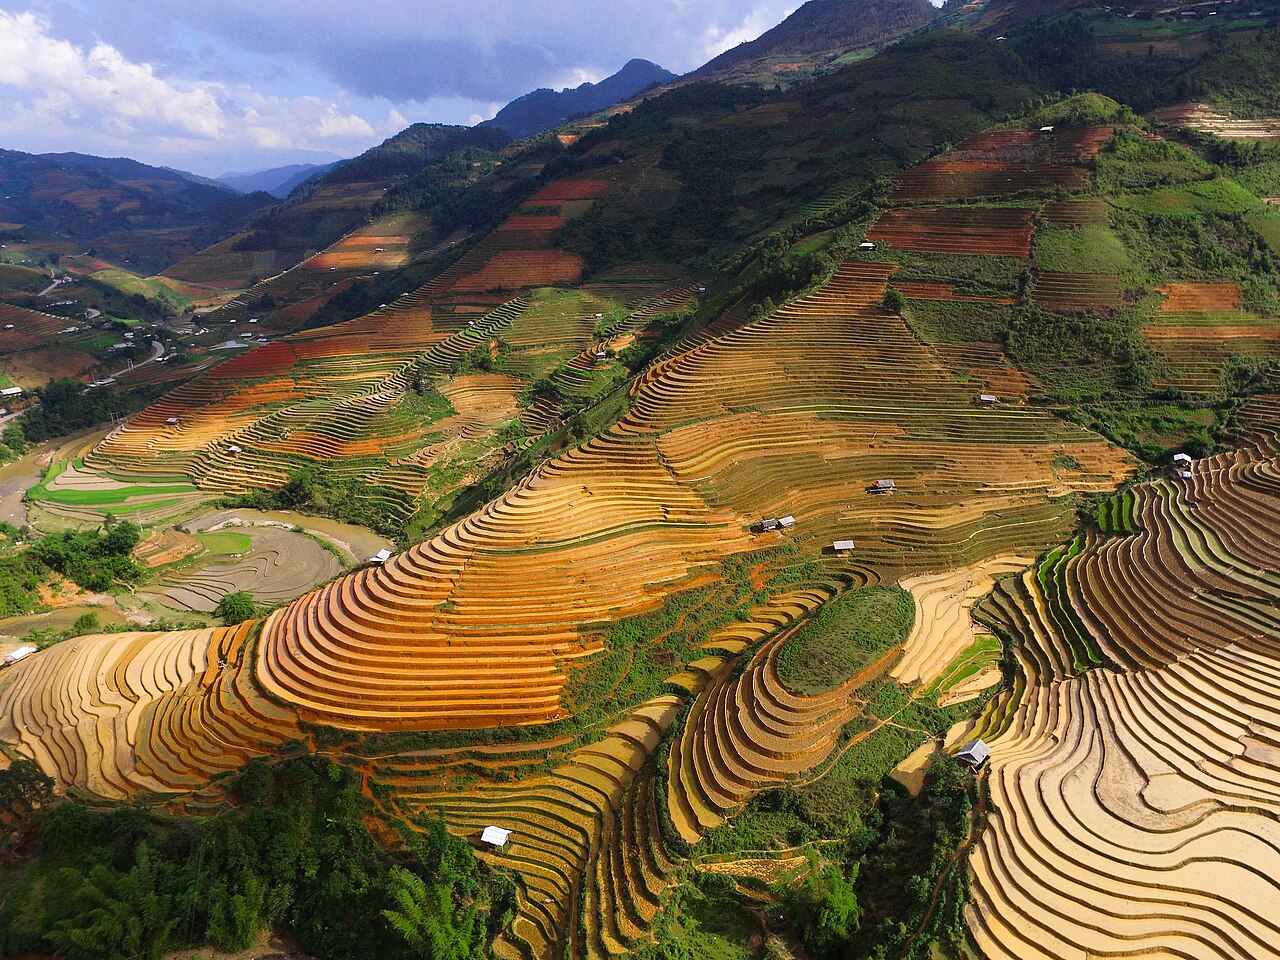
1133 808
41 346
1074 213
1201 328
340 395
798 413
130 713
275 566
1068 292
1005 164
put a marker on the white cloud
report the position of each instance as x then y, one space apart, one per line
335 124
396 121
96 100
99 87
752 26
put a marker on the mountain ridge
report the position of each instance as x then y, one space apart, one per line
544 109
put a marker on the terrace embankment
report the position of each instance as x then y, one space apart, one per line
1134 806
797 414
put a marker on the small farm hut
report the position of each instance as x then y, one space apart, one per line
988 399
866 245
234 450
1184 474
20 654
843 546
1048 129
382 556
1182 460
882 486
975 753
10 391
173 421
494 837
776 523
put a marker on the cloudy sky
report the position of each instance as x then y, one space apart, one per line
215 86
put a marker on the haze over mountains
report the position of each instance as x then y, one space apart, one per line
277 181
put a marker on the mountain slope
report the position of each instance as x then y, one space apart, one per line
816 36
544 109
327 207
127 210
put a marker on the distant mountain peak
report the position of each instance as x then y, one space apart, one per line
545 109
278 181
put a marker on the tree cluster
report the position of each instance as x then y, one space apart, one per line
123 885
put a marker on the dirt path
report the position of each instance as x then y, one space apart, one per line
976 816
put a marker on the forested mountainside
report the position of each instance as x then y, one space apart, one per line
145 216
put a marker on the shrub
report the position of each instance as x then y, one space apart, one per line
236 608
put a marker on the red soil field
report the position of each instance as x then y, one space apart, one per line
992 230
513 269
532 222
1200 298
960 180
571 190
1062 146
926 290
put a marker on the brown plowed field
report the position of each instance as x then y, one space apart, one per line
1005 231
1200 297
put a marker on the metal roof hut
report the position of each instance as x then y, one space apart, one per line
173 421
975 753
866 245
988 399
495 837
843 546
382 556
1182 460
20 654
882 486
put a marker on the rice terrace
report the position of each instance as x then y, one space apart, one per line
825 505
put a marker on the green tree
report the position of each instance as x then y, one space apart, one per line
827 910
894 300
24 787
425 918
236 608
112 915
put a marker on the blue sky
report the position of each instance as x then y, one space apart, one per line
224 85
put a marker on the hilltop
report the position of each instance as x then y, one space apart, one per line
546 109
821 35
